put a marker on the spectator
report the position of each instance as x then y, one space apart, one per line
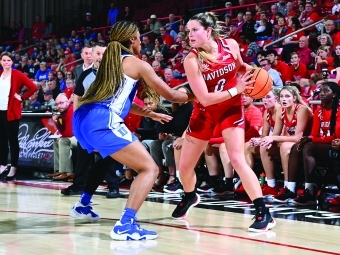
252 49
278 65
167 39
172 22
112 16
70 62
241 3
127 14
297 70
23 67
160 46
147 47
280 30
38 28
155 24
146 58
60 81
48 97
170 31
33 69
332 31
52 86
304 52
88 23
291 43
63 146
33 102
42 74
21 31
169 78
48 26
308 17
69 88
336 7
324 59
277 81
101 39
13 31
158 70
249 26
86 55
272 18
282 7
290 11
240 21
233 32
178 68
159 57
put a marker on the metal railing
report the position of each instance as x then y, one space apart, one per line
295 32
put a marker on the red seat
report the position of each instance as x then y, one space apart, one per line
278 50
260 43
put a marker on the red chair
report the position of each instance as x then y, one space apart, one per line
260 43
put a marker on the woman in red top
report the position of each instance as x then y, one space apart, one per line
292 121
323 60
11 84
313 148
211 69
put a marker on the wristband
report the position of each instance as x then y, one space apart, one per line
233 92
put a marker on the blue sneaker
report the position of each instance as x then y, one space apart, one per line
131 231
80 211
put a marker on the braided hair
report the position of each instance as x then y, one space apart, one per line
110 73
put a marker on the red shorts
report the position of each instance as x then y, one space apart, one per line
208 122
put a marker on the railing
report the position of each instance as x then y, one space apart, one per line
295 32
31 39
166 18
102 29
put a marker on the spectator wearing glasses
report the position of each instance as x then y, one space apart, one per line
277 81
52 86
63 146
69 88
308 17
147 47
332 31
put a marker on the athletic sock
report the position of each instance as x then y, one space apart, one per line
271 183
127 215
85 198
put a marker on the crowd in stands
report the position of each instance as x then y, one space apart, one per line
299 66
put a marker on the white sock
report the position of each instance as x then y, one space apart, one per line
310 187
177 175
285 184
291 186
271 183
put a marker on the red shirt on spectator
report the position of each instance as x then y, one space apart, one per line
283 69
297 74
243 48
314 16
291 14
235 36
174 82
68 92
132 121
168 39
70 67
295 37
305 56
38 29
64 123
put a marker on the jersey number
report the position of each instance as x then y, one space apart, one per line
220 85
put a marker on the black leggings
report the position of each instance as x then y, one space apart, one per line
9 134
311 153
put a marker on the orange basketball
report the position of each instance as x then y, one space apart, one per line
262 85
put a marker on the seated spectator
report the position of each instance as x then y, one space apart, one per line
178 68
158 70
33 102
23 67
42 73
249 25
233 32
48 97
160 46
69 88
159 57
280 31
146 58
166 38
243 43
272 17
155 24
323 59
308 17
297 70
70 62
336 7
293 120
290 11
278 65
261 27
277 81
52 86
291 43
170 31
252 49
162 147
332 31
304 52
260 9
147 47
314 148
259 56
282 7
169 78
326 40
88 23
63 146
240 21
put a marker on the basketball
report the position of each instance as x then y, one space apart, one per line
262 85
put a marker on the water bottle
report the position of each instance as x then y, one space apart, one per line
262 179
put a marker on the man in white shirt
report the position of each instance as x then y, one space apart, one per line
86 55
277 81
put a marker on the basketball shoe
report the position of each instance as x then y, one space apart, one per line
174 188
305 199
263 222
182 209
284 196
83 212
131 231
269 191
334 201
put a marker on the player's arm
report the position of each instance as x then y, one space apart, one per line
138 110
199 87
242 67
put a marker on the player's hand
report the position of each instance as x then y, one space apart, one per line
255 141
178 143
266 141
17 96
302 142
244 82
336 144
160 117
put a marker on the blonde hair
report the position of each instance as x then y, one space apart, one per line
110 73
295 92
324 48
209 19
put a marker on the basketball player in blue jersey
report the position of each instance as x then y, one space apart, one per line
98 126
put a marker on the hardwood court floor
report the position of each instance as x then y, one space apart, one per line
34 220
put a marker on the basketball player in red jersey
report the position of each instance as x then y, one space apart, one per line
292 121
211 69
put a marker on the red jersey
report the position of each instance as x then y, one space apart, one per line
218 76
321 126
270 120
290 125
297 73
